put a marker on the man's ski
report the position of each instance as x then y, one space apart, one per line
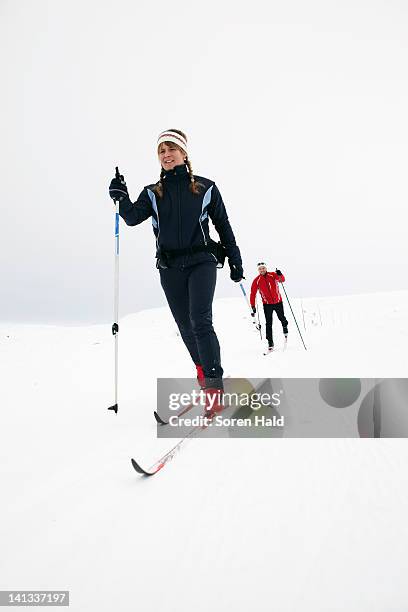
273 349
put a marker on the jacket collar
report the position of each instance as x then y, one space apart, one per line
177 173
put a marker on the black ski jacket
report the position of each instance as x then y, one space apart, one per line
180 217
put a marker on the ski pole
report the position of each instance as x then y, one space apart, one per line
258 327
257 315
293 314
115 325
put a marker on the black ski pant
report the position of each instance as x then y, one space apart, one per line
268 310
189 292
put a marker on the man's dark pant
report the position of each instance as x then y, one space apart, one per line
268 310
189 292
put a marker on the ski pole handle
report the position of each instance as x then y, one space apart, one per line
119 176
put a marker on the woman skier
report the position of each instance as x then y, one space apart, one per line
267 285
180 204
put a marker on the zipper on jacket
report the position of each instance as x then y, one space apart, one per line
179 214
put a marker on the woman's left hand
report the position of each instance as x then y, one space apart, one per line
237 272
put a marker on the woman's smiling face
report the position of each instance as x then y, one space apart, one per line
170 155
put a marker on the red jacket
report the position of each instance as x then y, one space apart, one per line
268 288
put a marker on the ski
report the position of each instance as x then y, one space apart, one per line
162 421
167 457
274 349
159 419
156 467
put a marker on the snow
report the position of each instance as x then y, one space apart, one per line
232 524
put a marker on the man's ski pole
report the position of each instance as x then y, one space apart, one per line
257 315
257 326
283 287
115 325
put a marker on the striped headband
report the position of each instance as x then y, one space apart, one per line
170 136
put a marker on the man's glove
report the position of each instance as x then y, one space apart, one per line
117 189
237 272
279 272
253 311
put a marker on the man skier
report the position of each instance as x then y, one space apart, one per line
267 285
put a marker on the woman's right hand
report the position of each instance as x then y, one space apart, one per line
117 189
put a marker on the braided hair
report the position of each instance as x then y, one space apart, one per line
194 185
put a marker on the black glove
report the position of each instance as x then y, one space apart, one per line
237 272
117 189
253 311
279 272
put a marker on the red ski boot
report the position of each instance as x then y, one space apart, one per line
213 402
200 376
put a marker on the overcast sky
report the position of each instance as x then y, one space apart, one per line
297 110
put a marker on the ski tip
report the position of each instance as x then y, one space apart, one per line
139 469
114 408
159 419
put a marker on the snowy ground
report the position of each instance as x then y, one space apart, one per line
282 524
